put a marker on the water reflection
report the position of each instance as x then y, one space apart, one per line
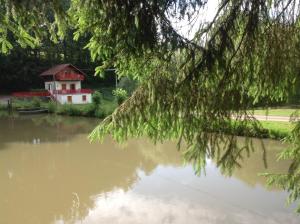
38 129
64 179
129 207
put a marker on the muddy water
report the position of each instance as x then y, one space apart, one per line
50 173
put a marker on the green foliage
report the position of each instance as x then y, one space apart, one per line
99 112
5 46
105 108
120 95
3 107
76 110
266 129
127 84
51 106
36 102
26 103
69 109
97 98
290 181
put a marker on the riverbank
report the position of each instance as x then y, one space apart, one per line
277 130
103 105
269 127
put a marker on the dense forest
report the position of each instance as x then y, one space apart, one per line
20 68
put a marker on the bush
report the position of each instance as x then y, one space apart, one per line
51 106
88 110
26 103
128 84
99 113
36 102
97 98
69 109
120 95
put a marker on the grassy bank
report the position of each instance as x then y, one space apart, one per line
277 111
86 110
107 103
267 129
102 106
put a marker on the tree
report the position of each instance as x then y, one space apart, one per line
188 87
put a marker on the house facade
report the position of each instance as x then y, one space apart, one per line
63 82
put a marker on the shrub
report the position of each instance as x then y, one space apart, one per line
69 109
97 98
36 102
128 84
51 106
99 113
120 95
89 110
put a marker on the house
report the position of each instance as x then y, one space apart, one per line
63 82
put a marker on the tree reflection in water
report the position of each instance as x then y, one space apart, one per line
230 154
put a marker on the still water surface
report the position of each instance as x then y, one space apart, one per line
50 173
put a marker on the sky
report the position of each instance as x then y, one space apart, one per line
205 15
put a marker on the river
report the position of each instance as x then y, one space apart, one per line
50 173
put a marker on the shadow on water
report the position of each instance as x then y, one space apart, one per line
39 129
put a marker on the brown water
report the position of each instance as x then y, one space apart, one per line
50 173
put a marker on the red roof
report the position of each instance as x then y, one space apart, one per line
57 70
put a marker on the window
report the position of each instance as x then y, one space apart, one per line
63 86
69 99
84 98
72 86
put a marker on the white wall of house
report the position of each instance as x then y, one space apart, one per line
76 98
49 86
58 85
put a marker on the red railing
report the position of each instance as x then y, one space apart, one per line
31 94
72 91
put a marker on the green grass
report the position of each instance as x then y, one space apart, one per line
268 129
26 103
276 112
87 110
278 125
106 107
278 129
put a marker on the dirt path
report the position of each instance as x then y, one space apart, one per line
272 118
